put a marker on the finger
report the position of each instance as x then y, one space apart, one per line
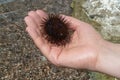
35 17
40 43
84 28
36 36
43 46
75 23
30 22
42 14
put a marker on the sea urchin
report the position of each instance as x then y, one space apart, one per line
55 29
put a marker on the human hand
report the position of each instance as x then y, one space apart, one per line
82 52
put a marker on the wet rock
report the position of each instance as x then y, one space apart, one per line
107 13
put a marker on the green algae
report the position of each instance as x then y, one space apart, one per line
99 76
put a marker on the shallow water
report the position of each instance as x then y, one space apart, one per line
19 57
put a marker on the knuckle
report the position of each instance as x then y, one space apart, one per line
38 11
26 18
55 61
31 12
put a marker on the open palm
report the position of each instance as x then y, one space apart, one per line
83 50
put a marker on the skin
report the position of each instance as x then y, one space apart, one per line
87 50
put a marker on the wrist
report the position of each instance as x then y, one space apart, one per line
109 59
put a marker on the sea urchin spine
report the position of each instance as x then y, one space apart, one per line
56 30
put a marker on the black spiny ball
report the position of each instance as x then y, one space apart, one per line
55 29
